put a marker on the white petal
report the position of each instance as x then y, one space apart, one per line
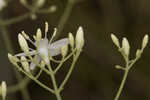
24 54
58 44
55 48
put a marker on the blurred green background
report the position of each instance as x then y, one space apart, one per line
94 76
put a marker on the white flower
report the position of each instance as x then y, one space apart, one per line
2 4
44 48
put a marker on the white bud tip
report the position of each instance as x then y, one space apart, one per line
115 40
126 46
145 41
38 34
23 43
3 89
25 35
79 38
71 40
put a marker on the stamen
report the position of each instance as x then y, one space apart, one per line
46 29
54 34
31 42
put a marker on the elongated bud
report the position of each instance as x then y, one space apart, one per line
38 34
34 37
145 41
3 89
79 38
115 40
119 67
64 50
125 46
25 35
71 40
23 43
12 59
25 64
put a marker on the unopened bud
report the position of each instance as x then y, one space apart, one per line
115 40
64 50
25 35
119 67
38 34
71 40
25 64
12 59
23 43
125 46
3 89
145 41
79 38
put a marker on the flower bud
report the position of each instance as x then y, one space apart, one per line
79 38
115 40
3 89
25 35
71 40
23 43
64 50
25 64
12 59
38 34
145 41
125 46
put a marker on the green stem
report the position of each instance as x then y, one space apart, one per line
57 93
70 71
122 84
34 79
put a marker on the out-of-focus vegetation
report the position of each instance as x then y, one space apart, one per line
94 77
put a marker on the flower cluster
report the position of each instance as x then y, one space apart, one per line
43 55
45 49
